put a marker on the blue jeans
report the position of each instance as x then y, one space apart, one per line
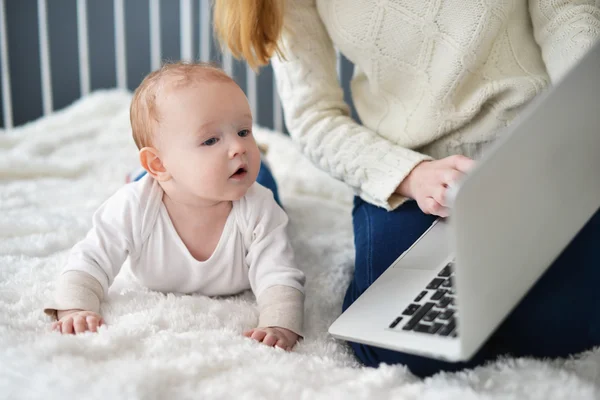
558 317
264 177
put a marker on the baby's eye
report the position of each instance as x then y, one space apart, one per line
244 133
210 142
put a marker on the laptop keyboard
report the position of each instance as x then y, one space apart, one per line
432 311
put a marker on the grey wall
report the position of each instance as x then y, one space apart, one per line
23 46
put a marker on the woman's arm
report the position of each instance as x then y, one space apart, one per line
565 31
318 118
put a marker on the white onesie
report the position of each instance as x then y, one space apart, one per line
252 253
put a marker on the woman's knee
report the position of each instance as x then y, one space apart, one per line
562 303
380 236
420 366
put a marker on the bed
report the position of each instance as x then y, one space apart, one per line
56 168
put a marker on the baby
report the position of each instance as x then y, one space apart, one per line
197 222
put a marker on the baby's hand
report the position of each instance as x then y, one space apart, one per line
275 336
77 321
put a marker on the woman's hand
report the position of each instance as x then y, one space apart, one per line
428 183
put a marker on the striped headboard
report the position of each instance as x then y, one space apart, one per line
54 51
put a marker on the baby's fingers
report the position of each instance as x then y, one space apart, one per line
80 324
283 344
258 335
56 326
249 333
270 340
67 326
93 323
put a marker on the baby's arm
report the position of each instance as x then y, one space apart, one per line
77 301
93 264
281 311
274 278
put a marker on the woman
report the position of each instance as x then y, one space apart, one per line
435 82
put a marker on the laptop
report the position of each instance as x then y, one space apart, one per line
511 216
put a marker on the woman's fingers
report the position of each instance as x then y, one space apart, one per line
431 206
460 163
439 195
453 172
451 176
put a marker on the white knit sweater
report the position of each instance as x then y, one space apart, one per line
432 78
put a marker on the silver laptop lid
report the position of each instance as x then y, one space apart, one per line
544 181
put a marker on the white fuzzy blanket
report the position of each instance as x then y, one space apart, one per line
56 171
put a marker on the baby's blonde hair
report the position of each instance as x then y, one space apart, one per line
249 28
144 114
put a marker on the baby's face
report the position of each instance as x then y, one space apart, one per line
205 141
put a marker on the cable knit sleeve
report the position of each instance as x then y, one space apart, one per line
318 118
565 31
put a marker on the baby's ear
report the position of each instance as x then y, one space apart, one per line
150 160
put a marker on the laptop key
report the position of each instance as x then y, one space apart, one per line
446 314
417 317
438 294
411 309
435 327
443 303
447 283
435 283
430 316
420 296
431 329
445 272
395 322
448 328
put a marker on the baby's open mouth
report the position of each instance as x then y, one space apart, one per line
239 173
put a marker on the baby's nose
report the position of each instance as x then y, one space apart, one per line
237 149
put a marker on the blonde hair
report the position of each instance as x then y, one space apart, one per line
249 28
144 114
